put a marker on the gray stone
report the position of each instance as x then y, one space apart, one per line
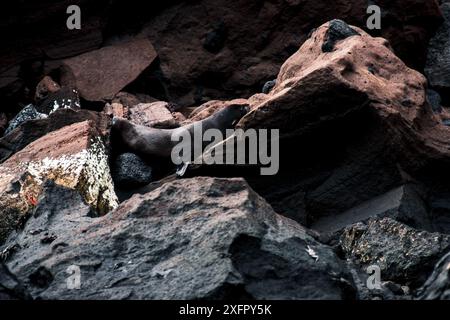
437 287
404 255
27 113
437 67
131 171
268 86
403 204
202 238
338 30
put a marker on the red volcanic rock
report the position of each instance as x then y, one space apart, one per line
73 157
45 87
101 74
358 120
154 114
210 107
250 40
35 129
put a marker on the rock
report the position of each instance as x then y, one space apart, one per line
434 99
202 238
101 74
3 123
45 87
437 287
404 204
156 115
74 157
269 86
116 110
352 114
260 37
337 30
211 107
28 113
35 129
404 255
215 39
128 100
10 287
437 66
131 171
65 98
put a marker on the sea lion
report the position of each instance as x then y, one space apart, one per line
150 142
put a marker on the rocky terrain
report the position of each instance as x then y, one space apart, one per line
364 136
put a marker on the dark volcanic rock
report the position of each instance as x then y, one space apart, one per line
337 30
404 255
434 99
269 86
65 98
404 204
28 113
189 239
438 61
437 287
131 171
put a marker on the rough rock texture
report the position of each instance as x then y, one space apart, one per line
3 123
35 129
252 39
156 115
357 117
45 87
73 156
190 239
65 98
101 74
404 255
437 287
116 110
404 204
130 171
437 67
26 114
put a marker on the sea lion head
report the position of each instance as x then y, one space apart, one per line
231 114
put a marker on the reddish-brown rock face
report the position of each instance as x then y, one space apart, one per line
74 157
101 74
208 49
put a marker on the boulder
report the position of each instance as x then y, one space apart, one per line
156 115
437 287
35 129
26 114
65 98
101 74
116 110
357 118
403 254
130 171
437 66
45 87
201 238
404 204
247 42
74 157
